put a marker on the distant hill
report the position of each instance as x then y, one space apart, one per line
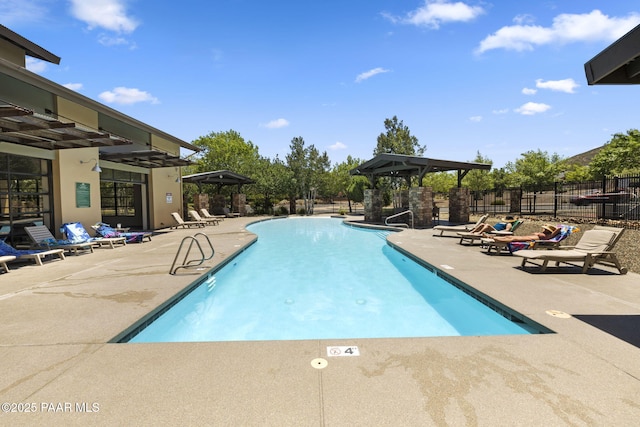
583 159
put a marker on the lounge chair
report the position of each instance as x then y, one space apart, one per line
9 253
511 247
205 214
4 259
196 217
594 247
460 228
472 237
105 230
229 214
185 224
43 239
75 232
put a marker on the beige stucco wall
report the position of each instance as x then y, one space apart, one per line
165 196
12 53
68 170
69 111
164 145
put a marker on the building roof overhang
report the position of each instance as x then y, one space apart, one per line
403 166
30 48
146 159
617 64
36 80
22 126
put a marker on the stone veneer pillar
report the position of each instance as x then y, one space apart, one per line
217 204
200 201
515 197
459 204
372 205
239 203
421 204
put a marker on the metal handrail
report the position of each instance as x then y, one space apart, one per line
193 262
399 224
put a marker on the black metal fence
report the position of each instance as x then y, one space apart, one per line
614 199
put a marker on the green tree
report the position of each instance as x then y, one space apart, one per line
479 180
502 180
308 170
398 140
226 151
621 155
536 170
440 182
342 182
271 180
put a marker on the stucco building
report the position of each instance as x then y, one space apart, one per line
65 157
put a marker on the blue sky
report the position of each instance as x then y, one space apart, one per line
499 77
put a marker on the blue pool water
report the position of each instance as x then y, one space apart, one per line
316 278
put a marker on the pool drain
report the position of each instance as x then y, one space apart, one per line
558 313
319 363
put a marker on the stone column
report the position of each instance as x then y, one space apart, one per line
515 197
421 204
459 204
217 204
372 205
200 201
239 203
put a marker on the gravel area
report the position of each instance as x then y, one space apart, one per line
627 249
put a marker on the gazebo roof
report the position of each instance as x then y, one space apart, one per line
403 166
220 178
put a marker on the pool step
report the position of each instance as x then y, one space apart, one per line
383 234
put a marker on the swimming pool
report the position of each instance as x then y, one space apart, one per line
317 278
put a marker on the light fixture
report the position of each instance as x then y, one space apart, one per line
96 168
177 175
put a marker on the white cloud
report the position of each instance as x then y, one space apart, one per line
15 12
566 85
35 65
107 40
529 91
127 96
73 86
503 111
368 74
436 12
475 119
566 28
531 108
337 146
108 14
277 124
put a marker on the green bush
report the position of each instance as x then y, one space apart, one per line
498 202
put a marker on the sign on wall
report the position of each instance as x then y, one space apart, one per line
83 195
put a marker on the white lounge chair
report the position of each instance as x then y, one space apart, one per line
4 260
196 217
205 214
9 253
76 233
460 228
185 224
595 246
43 239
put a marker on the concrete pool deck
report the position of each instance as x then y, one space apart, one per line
57 362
